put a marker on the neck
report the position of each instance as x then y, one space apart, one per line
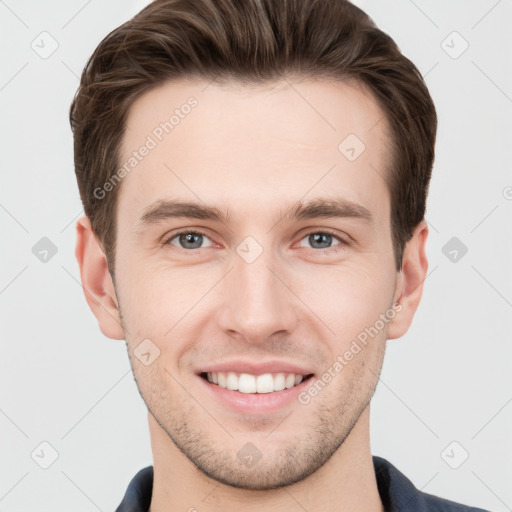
345 483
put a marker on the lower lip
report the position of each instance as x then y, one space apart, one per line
254 402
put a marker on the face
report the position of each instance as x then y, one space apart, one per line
279 260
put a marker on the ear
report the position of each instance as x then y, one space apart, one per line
97 282
409 287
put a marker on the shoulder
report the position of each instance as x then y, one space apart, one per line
398 493
137 497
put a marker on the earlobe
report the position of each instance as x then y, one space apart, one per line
409 287
96 280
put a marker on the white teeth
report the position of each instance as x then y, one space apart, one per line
222 379
290 381
246 383
232 381
265 383
279 382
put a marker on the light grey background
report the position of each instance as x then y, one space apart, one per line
448 380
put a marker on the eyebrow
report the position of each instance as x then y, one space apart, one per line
316 208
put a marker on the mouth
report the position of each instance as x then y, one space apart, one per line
255 384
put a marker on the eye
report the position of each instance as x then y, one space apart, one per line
322 240
189 240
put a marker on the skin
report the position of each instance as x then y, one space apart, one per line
254 150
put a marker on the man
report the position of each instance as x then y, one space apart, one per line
254 177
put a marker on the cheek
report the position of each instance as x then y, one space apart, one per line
154 299
347 298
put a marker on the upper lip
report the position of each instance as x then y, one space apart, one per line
253 368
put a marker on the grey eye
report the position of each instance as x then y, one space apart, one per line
320 240
189 240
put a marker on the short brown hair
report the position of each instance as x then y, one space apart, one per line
250 41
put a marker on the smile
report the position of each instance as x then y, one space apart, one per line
248 383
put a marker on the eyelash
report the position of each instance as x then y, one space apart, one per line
199 232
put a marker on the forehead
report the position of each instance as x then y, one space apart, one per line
222 142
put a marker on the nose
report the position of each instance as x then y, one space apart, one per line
258 301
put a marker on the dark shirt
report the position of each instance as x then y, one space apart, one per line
397 493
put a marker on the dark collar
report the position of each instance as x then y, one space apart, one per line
397 492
